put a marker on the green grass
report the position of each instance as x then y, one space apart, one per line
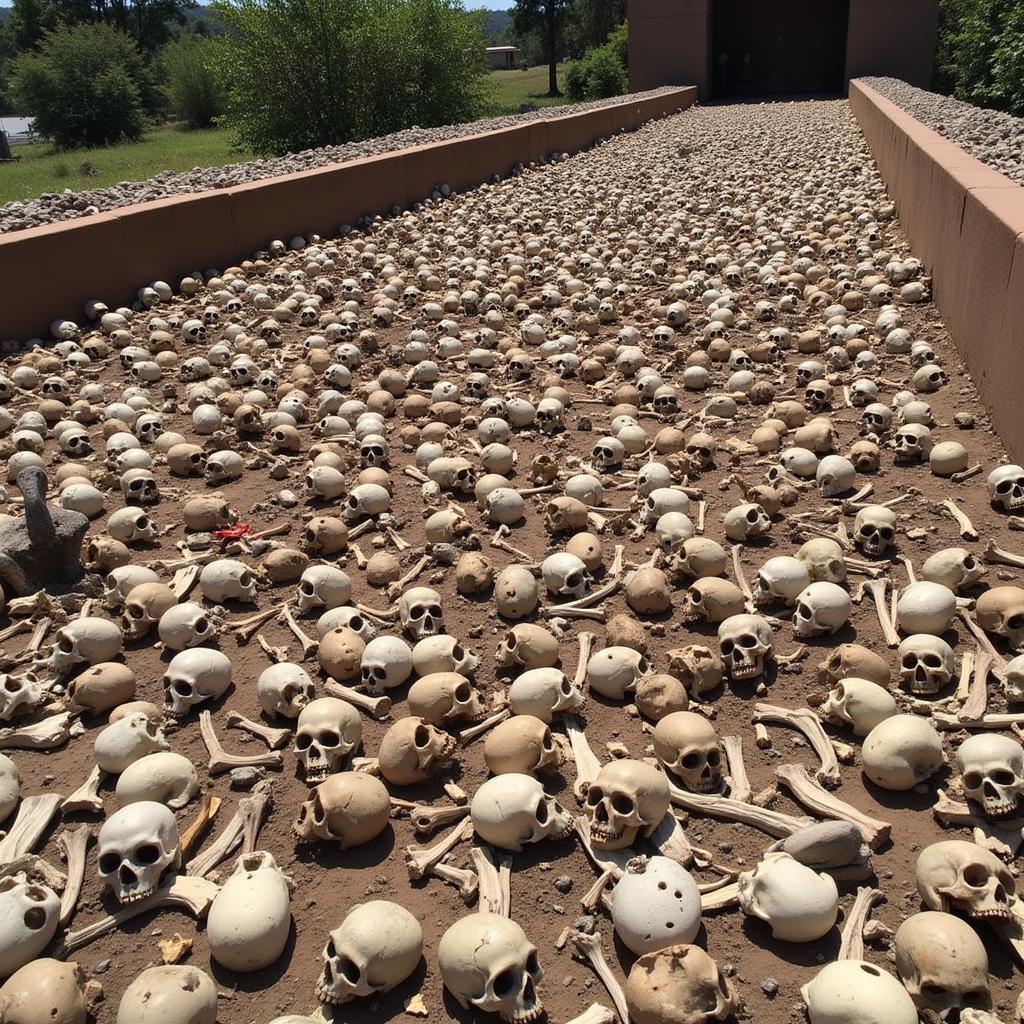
41 170
512 88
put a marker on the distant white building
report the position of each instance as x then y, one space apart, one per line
503 57
19 129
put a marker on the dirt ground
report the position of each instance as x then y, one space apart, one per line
329 881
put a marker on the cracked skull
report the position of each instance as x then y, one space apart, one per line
627 800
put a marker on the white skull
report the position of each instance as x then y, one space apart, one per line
550 415
824 560
876 995
627 800
420 612
387 662
835 476
323 586
139 487
88 640
19 694
858 703
608 454
687 745
443 653
29 915
613 671
412 750
662 500
673 530
955 568
957 875
912 443
374 451
746 522
1013 682
327 733
487 961
1006 487
227 580
126 740
655 904
223 467
799 903
821 608
137 844
926 663
512 809
186 625
284 689
143 607
193 677
565 575
123 579
874 530
901 752
375 948
992 769
544 693
925 607
781 578
746 645
131 525
327 483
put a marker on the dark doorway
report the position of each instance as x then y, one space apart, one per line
765 49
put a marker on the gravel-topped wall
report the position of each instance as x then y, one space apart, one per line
991 136
68 205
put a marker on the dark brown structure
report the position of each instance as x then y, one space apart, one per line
738 48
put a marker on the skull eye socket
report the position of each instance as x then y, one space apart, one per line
420 737
714 758
463 692
1015 622
748 640
727 648
541 814
622 804
147 854
594 796
348 969
691 761
35 918
933 989
109 863
1002 777
973 780
975 875
532 965
504 983
303 741
329 738
182 688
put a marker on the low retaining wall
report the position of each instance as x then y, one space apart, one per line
50 272
966 222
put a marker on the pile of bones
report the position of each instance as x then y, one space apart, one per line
610 563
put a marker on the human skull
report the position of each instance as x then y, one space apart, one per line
655 904
613 671
327 733
193 677
487 961
174 993
443 653
521 744
681 984
412 750
992 769
607 454
687 745
781 578
957 875
942 963
131 525
1001 611
89 640
823 559
854 986
186 625
835 476
565 575
799 903
746 522
901 752
323 586
29 915
420 612
821 608
375 948
699 668
19 694
874 530
1006 487
746 645
365 501
348 808
125 740
912 443
121 580
386 663
227 580
544 693
445 697
858 703
926 663
713 600
512 809
137 844
627 800
527 646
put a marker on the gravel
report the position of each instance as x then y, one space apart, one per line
995 138
68 205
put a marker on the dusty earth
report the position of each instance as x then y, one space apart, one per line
764 175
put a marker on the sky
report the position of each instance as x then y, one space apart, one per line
491 5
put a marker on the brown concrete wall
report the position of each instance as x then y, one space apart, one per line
670 44
966 222
892 37
50 272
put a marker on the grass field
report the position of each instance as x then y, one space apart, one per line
163 149
171 149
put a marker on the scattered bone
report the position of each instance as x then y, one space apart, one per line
963 686
772 823
47 734
998 661
34 816
376 707
973 708
275 654
87 797
963 522
739 784
876 588
420 861
430 819
741 580
184 580
221 761
1003 838
73 846
308 646
399 585
174 949
474 732
997 556
587 764
594 1014
250 809
589 948
852 945
465 881
249 626
807 722
495 878
275 739
207 812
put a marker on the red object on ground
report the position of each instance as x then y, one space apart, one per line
236 532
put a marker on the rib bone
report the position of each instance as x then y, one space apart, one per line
221 761
852 945
587 764
795 778
86 797
589 947
34 815
376 707
807 722
420 861
276 739
739 784
74 846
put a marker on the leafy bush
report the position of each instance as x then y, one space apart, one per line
305 73
86 85
600 73
193 90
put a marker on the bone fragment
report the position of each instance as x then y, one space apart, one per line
275 739
1003 838
852 945
47 734
308 646
741 580
998 661
249 626
207 812
74 846
586 647
721 897
382 615
670 840
589 947
250 809
275 654
594 1014
420 861
495 895
963 686
399 585
997 556
378 708
966 527
184 580
587 763
826 805
221 761
976 703
592 898
773 823
428 819
34 816
87 796
463 879
739 784
876 588
474 732
596 596
808 723
183 892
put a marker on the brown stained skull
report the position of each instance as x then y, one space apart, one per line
412 750
687 745
956 875
349 808
627 800
442 698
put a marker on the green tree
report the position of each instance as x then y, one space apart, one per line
193 90
27 22
591 22
602 72
304 73
547 18
85 85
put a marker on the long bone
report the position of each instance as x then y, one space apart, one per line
248 627
586 647
495 878
275 739
275 654
807 722
594 1014
74 846
772 823
739 784
207 812
826 805
420 861
47 734
251 808
429 819
587 764
997 556
184 892
963 686
671 841
998 661
378 708
221 761
36 869
467 882
963 522
741 579
976 703
309 646
876 588
851 946
603 860
399 585
474 732
589 948
87 797
34 815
